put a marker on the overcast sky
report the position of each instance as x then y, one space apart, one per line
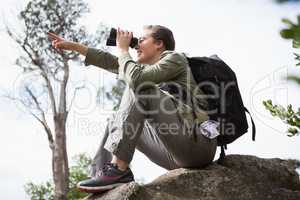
243 33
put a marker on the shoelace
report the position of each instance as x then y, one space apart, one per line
104 169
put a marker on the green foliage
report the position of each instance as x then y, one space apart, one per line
289 115
60 17
40 191
115 95
78 171
292 32
296 79
286 1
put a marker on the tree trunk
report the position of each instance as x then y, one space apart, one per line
60 160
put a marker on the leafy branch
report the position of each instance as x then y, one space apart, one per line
289 115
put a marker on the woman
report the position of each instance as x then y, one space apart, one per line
150 119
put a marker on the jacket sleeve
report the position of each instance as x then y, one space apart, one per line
102 59
165 69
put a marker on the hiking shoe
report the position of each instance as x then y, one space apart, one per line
105 179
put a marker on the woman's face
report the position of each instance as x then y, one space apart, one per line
148 48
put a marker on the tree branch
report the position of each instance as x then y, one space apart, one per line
42 121
73 97
36 62
62 98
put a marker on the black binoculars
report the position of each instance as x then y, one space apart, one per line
111 41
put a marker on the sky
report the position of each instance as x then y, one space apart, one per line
245 34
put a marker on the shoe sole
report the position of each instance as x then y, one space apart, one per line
98 189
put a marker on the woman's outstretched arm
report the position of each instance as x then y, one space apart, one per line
96 57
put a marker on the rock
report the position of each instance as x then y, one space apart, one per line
240 177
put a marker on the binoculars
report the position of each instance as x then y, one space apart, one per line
111 41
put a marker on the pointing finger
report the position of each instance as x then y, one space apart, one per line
53 36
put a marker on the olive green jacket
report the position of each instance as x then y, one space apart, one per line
172 67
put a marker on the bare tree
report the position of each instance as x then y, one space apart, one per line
49 72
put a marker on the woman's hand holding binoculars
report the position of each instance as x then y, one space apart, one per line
123 40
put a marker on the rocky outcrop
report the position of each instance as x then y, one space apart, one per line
240 177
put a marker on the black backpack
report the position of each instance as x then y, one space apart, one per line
229 109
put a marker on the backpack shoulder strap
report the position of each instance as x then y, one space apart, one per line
253 124
224 146
222 154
